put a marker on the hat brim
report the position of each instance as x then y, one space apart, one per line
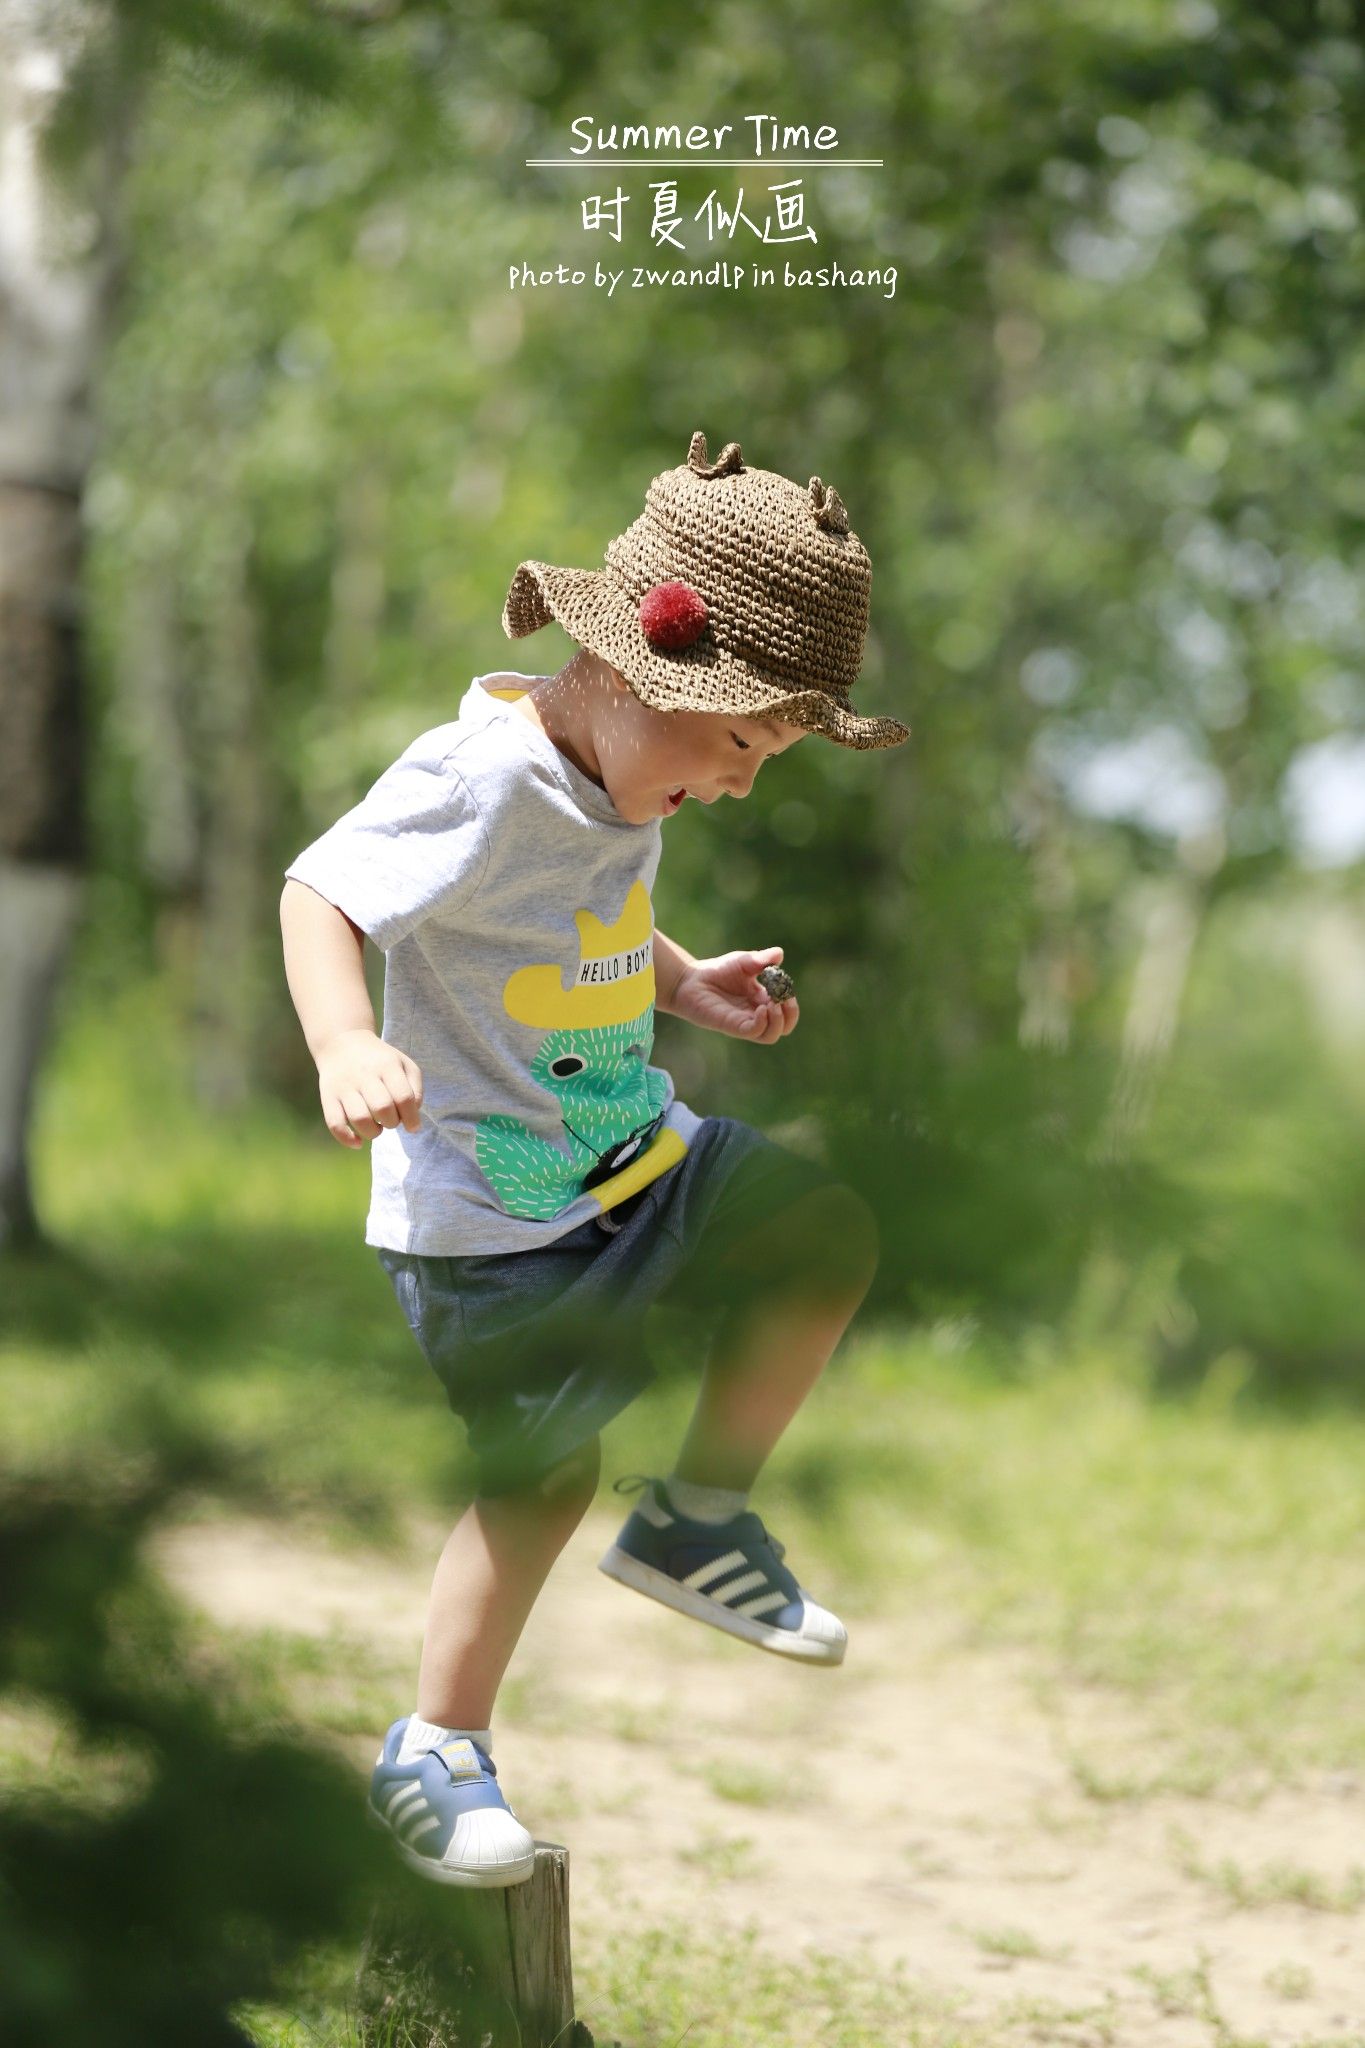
594 609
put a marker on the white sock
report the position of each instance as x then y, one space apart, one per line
704 1503
419 1736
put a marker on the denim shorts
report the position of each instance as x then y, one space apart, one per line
537 1350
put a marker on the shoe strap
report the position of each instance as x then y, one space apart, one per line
765 1536
632 1482
465 1760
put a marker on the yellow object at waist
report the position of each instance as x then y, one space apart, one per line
665 1151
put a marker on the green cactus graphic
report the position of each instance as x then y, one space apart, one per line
607 1092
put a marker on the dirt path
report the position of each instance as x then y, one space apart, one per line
917 1804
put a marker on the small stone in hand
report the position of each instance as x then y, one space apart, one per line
777 983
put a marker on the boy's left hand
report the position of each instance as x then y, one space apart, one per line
725 994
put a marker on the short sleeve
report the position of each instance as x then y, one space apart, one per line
414 844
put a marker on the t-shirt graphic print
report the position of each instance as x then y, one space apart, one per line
594 1060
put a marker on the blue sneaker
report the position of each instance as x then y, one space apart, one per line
447 1814
728 1573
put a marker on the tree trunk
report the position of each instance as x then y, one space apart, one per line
1171 913
229 1003
155 728
354 626
1050 968
39 903
59 267
451 1965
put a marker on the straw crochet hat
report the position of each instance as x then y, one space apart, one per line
735 590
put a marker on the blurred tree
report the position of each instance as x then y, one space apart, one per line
73 76
60 260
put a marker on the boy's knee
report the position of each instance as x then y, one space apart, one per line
823 1242
573 1481
839 1230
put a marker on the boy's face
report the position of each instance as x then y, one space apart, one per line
651 761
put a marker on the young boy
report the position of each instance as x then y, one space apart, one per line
536 1184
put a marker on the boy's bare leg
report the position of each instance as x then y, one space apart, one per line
495 1562
812 1263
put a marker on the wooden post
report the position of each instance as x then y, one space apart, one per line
452 1966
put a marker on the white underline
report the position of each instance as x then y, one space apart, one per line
756 163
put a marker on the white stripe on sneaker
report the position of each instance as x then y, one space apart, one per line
402 1797
761 1603
417 1833
742 1585
714 1568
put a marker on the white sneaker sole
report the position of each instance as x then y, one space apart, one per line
783 1642
487 1877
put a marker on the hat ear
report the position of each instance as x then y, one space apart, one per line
828 507
527 608
728 463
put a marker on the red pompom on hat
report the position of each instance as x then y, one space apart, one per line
672 615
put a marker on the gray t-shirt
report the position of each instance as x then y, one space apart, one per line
511 901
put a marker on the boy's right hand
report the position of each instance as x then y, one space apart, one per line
367 1085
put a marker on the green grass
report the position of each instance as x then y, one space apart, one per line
1016 1942
1273 1884
671 1987
749 1785
1289 1980
1198 1557
718 1855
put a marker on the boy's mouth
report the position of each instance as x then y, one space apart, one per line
674 800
